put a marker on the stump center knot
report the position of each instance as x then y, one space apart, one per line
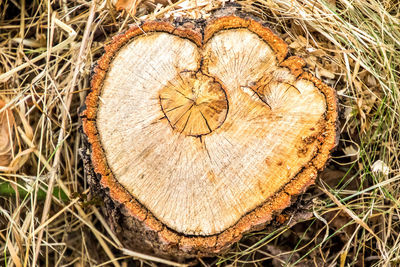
194 104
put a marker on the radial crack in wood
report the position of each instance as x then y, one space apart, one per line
193 103
200 138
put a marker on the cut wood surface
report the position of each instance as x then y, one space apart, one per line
198 133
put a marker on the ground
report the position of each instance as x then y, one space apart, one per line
47 51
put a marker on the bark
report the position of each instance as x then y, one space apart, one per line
198 132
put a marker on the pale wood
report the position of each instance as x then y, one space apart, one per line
200 133
201 186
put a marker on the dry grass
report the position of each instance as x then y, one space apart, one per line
350 218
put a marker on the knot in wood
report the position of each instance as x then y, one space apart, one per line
266 126
194 103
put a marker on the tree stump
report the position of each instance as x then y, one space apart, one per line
198 132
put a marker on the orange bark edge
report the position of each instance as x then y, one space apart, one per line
256 219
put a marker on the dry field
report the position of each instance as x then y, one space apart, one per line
47 49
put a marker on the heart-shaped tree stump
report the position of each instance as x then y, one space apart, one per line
200 132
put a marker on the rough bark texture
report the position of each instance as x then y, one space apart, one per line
198 132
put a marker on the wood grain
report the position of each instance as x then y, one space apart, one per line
204 137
